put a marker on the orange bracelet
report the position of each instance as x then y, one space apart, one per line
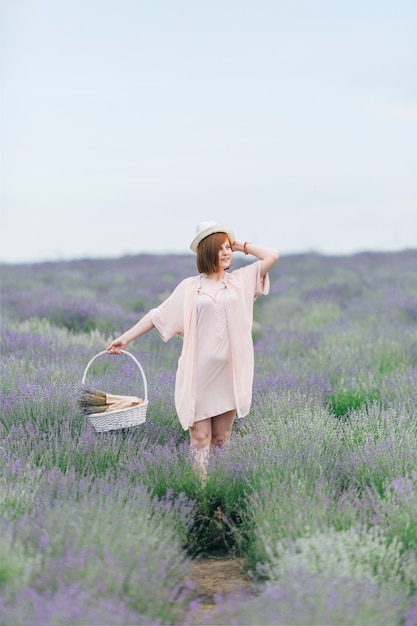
244 247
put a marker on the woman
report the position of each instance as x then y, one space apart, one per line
213 312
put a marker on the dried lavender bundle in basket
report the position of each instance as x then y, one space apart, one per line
91 400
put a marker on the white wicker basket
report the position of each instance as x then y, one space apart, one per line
123 418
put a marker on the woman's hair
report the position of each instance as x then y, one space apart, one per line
208 252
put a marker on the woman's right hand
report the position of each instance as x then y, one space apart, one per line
117 346
142 326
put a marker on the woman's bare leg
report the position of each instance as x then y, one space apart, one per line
200 443
221 428
211 432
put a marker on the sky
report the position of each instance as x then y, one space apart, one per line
125 123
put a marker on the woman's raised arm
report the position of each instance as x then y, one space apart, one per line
267 256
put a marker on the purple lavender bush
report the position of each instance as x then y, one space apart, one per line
309 599
99 527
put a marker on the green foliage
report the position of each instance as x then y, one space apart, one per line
356 553
18 494
395 509
17 564
288 512
344 400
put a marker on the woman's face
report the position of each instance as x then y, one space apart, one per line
225 255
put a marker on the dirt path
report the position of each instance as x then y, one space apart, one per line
216 575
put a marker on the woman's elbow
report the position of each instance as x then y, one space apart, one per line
269 261
274 256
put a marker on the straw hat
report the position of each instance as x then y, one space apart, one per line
204 229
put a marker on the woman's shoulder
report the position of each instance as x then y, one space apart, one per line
182 290
248 268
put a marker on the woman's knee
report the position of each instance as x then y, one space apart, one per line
222 428
200 439
220 438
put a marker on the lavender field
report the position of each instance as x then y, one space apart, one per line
317 492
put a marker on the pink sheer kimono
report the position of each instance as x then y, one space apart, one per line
177 315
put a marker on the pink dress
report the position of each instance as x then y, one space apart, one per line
215 368
213 356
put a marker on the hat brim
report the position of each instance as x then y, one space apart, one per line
217 228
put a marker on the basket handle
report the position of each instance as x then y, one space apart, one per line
145 383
